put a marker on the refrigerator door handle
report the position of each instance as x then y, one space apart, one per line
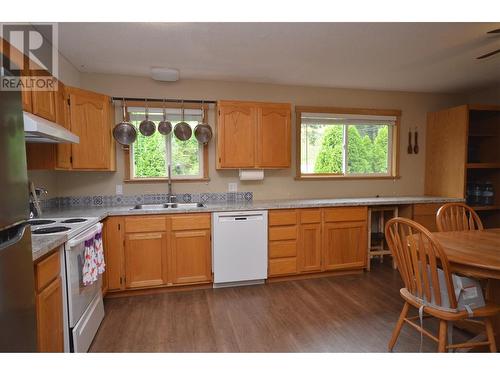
14 237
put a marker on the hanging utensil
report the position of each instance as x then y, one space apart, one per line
124 132
164 126
410 148
147 127
182 130
415 148
203 132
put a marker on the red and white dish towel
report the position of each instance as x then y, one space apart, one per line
93 264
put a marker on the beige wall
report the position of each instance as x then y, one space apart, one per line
277 184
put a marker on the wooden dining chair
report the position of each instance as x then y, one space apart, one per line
457 217
420 259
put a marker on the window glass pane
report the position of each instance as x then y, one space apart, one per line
367 149
321 148
149 155
186 155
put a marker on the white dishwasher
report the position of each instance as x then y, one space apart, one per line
239 247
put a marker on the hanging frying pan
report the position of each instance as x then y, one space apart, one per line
164 126
203 132
124 132
182 130
147 127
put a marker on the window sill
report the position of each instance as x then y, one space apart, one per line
164 180
342 177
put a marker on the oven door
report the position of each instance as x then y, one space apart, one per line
79 295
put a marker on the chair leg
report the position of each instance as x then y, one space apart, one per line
443 332
491 335
399 325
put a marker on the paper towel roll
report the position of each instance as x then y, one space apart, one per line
251 174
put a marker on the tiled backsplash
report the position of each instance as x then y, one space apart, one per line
128 200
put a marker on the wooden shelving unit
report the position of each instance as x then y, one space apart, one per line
377 245
462 146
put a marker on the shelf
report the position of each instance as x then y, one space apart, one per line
482 165
486 208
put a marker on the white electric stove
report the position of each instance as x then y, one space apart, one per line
71 226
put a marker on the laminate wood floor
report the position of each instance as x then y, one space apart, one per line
354 313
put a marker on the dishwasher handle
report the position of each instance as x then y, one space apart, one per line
232 218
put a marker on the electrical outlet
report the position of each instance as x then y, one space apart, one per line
119 189
232 187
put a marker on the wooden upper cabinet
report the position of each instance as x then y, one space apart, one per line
44 104
90 120
273 137
63 160
27 101
236 136
253 135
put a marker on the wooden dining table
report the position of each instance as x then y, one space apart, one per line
476 254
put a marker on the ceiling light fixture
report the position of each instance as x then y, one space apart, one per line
165 74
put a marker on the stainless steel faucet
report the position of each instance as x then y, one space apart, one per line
34 203
171 197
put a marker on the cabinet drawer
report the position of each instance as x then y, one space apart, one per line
282 266
283 233
310 216
145 224
346 214
187 222
281 249
282 217
425 209
47 270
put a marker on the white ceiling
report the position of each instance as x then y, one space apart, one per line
428 57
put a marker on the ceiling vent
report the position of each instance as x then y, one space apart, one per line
165 74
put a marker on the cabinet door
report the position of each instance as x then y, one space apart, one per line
191 260
89 117
27 100
236 136
44 104
273 137
145 259
50 319
425 214
344 245
113 252
63 160
310 247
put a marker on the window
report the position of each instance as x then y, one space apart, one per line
149 156
335 143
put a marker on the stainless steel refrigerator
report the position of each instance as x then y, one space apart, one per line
17 296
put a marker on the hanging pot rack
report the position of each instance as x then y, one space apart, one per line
154 100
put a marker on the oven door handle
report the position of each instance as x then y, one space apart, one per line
87 235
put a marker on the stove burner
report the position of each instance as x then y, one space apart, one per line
50 230
76 220
41 222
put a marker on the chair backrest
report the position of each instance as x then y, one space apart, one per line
457 217
418 256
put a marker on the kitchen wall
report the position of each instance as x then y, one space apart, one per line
277 184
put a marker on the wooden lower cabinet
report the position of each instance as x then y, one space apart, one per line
317 240
425 214
190 256
310 247
49 304
145 259
345 245
149 251
49 318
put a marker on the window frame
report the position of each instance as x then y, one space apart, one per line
393 144
128 152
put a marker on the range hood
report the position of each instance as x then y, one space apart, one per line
39 130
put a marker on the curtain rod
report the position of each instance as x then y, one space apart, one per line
154 100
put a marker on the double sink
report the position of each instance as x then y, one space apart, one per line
166 205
